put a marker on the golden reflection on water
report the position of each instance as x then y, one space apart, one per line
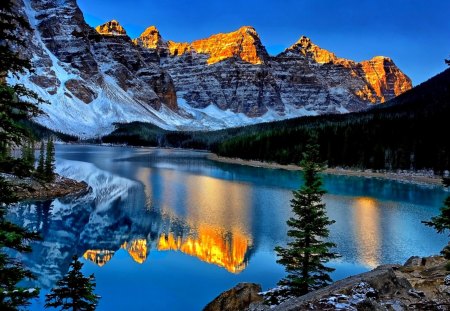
137 249
143 175
215 211
366 219
211 246
99 257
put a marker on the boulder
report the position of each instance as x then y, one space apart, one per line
237 298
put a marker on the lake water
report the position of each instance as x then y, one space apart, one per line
170 230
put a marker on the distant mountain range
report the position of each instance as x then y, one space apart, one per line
96 77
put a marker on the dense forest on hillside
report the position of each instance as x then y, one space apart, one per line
409 132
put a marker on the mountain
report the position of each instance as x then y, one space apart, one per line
95 77
407 132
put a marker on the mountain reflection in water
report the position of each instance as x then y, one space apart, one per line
168 220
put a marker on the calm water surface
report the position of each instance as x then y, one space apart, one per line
170 230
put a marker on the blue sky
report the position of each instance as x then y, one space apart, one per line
414 33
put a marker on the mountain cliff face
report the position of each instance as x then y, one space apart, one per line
91 79
384 79
234 72
94 77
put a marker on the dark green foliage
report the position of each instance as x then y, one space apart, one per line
441 223
28 153
40 167
14 238
74 291
28 158
42 133
49 167
14 109
307 252
145 134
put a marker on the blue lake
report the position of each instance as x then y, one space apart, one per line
170 230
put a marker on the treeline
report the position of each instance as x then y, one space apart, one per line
409 132
39 132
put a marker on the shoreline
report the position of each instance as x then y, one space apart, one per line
406 177
30 189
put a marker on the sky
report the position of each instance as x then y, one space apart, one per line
414 33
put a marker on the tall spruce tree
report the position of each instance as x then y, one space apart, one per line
441 223
40 167
307 251
49 169
74 291
17 103
28 155
13 104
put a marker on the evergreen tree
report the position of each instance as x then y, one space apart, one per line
28 158
40 167
441 223
74 291
49 174
14 108
307 252
15 238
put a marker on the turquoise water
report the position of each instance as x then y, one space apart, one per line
170 230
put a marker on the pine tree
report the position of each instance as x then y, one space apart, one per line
49 174
441 223
307 252
40 167
14 108
13 237
28 158
74 291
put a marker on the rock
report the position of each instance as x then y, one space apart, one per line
421 284
447 280
33 189
234 72
237 298
112 28
416 293
102 68
151 39
79 90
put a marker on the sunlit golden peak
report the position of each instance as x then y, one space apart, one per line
304 46
381 58
151 39
111 28
304 41
248 30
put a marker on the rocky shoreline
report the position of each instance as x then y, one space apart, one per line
419 284
32 189
422 177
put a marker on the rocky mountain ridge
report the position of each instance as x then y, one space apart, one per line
95 77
